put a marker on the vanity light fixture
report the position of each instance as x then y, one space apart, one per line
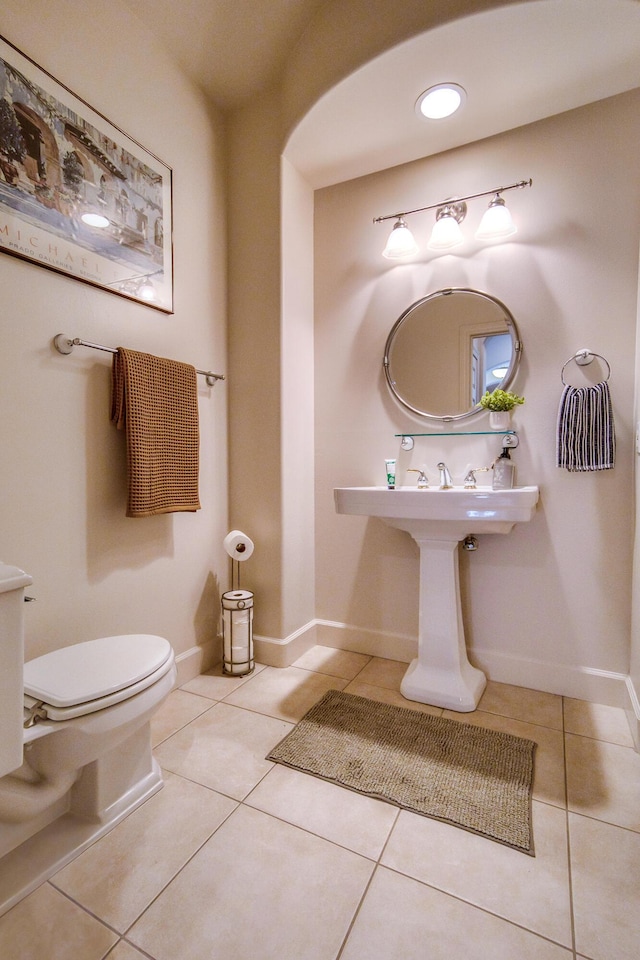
495 224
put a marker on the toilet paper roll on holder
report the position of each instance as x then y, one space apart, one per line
239 547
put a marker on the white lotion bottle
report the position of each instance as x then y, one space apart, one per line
504 471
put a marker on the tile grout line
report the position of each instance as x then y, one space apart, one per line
376 863
211 703
86 910
143 953
476 906
239 803
566 815
376 866
125 934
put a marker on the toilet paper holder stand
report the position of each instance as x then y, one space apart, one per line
237 619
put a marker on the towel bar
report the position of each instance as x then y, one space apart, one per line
65 345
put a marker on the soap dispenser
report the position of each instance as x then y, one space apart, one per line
504 470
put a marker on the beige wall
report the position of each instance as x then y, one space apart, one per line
62 508
633 683
63 485
298 543
549 605
341 36
255 395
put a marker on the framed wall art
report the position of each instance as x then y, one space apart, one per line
77 195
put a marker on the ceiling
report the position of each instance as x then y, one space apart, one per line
230 48
518 63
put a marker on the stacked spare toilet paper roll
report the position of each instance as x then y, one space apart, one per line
237 613
238 545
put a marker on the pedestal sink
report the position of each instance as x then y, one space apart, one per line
438 520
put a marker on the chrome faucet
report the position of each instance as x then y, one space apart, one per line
446 483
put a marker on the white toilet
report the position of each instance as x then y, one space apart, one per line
75 750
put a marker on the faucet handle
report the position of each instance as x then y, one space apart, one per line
470 479
423 480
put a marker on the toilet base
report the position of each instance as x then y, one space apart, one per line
106 792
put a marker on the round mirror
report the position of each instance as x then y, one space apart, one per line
447 349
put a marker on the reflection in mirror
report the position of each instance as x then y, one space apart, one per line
491 357
447 349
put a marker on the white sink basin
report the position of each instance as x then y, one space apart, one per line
435 514
437 519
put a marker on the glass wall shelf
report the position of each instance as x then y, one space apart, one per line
459 433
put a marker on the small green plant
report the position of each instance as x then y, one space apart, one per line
500 400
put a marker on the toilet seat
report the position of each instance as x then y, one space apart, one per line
86 677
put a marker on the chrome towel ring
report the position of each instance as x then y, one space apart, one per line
583 358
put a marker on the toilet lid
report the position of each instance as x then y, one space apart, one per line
93 669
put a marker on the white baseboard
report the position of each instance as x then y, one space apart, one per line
374 643
197 660
633 712
340 636
581 683
282 653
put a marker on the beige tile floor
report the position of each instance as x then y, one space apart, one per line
240 859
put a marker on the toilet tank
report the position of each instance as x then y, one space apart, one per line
12 584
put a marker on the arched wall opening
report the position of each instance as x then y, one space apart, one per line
298 617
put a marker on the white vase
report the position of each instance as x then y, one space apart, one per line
500 419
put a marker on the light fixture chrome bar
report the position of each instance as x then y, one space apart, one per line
442 203
65 345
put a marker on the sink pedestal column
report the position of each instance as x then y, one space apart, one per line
441 674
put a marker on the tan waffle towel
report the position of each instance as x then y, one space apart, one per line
156 402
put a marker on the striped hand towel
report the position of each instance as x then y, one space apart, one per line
586 435
156 402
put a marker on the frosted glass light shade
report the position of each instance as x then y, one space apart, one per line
496 222
446 233
401 242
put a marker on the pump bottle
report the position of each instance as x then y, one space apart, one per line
504 470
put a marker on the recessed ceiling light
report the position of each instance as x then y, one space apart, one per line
440 101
